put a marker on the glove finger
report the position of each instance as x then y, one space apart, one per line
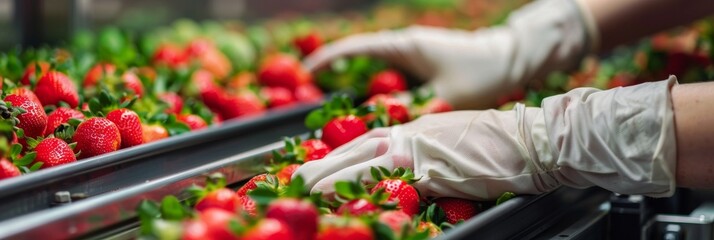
381 44
375 133
316 170
327 185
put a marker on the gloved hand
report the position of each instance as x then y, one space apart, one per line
621 139
471 70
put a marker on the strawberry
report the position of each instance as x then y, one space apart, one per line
342 130
209 57
286 173
308 43
251 184
59 116
54 87
217 223
171 56
315 149
395 220
282 70
30 74
457 209
24 91
133 83
249 205
396 185
621 80
174 101
277 96
129 126
385 82
426 103
54 152
194 122
332 227
194 230
223 198
268 229
308 93
8 170
153 132
34 120
96 136
300 216
243 104
97 72
358 207
387 106
241 81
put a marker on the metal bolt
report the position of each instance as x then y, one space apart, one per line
63 197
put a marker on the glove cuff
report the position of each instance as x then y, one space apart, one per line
621 139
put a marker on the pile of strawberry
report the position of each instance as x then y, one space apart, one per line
275 206
64 105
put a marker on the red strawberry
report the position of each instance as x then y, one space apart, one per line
193 121
251 184
217 224
30 71
285 174
308 93
396 185
97 72
249 205
153 132
241 105
133 83
341 130
24 91
96 136
282 70
269 229
332 227
54 87
54 152
315 149
385 82
59 116
129 126
621 80
395 109
241 81
358 207
171 56
8 170
223 198
300 216
308 43
457 209
395 220
174 101
194 230
210 57
34 120
278 96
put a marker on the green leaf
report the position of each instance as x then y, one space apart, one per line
296 188
385 171
344 189
27 159
376 175
316 119
505 197
36 166
148 211
95 106
16 149
172 209
262 195
383 231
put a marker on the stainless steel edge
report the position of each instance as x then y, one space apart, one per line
82 217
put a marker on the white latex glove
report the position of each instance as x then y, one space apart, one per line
471 70
621 139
